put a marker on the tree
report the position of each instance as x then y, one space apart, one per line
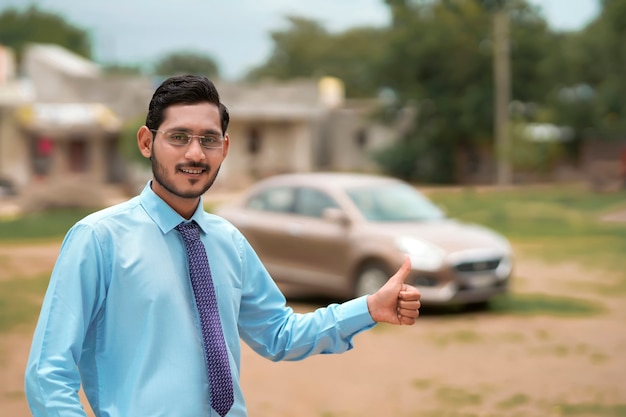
17 29
440 60
592 97
187 63
307 50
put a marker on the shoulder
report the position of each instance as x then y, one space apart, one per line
121 216
220 225
110 213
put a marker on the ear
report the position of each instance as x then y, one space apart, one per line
226 144
144 141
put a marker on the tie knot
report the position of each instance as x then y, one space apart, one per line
190 231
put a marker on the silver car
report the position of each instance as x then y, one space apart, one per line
343 235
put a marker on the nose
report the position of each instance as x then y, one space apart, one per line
194 150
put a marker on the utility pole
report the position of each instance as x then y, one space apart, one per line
502 96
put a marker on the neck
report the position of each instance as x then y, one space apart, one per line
185 206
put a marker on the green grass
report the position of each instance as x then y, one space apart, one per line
514 401
590 409
458 397
533 211
40 225
541 304
531 304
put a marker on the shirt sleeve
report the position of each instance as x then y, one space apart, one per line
275 331
75 293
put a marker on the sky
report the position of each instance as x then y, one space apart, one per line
235 33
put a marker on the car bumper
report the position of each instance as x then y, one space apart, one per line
453 294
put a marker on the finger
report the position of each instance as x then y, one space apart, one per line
407 320
410 305
410 315
409 293
403 272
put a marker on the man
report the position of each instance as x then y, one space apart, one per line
121 317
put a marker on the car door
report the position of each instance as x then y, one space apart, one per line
318 246
264 223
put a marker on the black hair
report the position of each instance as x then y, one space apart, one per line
184 89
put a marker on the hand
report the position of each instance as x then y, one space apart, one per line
396 302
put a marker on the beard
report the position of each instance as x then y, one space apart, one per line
161 176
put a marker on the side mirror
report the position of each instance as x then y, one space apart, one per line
336 215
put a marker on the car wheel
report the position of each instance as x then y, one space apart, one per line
370 279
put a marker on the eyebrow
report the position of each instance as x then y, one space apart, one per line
190 131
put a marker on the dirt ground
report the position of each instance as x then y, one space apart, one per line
466 364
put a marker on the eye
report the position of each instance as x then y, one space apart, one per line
180 137
211 141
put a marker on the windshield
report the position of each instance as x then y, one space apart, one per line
395 203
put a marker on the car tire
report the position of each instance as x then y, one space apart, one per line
370 279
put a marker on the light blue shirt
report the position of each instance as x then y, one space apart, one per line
120 317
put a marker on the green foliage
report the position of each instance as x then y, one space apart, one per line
128 141
186 63
440 56
533 156
418 158
32 25
307 50
590 93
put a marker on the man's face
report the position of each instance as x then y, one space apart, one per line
186 172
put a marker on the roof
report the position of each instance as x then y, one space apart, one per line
269 100
68 116
60 59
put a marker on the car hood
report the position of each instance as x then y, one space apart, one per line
450 235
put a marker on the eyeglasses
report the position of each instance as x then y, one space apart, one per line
184 138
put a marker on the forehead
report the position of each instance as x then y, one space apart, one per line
202 115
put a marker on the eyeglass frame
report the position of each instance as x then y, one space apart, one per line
168 137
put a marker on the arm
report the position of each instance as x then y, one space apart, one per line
73 297
396 302
276 332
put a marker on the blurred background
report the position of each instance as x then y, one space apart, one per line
505 113
433 92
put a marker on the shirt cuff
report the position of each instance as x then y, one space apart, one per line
355 316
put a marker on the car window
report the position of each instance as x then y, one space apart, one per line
393 203
312 202
279 200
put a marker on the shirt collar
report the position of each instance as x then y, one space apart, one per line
165 217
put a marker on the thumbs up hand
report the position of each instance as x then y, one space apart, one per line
396 302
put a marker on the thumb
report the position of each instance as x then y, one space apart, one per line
400 276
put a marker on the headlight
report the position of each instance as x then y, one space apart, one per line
504 268
424 255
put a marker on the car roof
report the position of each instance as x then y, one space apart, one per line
328 179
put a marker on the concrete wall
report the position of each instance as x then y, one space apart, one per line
15 162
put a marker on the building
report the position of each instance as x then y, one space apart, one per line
51 138
69 127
